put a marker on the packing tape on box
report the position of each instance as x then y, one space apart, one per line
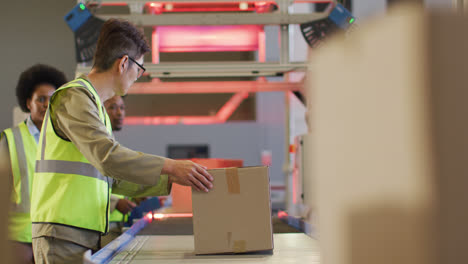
239 246
232 179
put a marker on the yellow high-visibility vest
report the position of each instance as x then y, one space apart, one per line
22 147
67 189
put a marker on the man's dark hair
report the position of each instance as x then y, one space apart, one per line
34 76
118 38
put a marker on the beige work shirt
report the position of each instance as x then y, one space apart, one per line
75 116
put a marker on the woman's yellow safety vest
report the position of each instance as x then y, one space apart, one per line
67 189
22 148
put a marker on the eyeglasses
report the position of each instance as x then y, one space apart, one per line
141 70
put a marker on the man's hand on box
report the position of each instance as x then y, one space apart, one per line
125 206
188 173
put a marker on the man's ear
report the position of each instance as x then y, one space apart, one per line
122 64
28 103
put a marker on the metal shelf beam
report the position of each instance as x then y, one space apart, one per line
204 69
289 2
147 20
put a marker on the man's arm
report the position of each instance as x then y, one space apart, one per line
75 116
138 190
121 204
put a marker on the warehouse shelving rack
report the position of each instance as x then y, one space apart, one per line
217 69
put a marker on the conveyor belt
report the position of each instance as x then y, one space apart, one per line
289 248
169 226
171 240
184 226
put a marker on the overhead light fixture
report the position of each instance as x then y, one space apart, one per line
207 38
209 6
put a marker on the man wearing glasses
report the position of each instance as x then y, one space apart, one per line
141 69
79 163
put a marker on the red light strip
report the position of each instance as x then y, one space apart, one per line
230 106
155 46
241 88
158 87
222 116
277 188
282 214
313 1
215 5
206 38
149 216
113 4
171 215
203 7
164 7
261 45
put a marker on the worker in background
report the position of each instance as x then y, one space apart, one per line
18 144
126 210
115 107
79 163
120 206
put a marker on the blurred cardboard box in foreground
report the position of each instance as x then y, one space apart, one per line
235 216
389 119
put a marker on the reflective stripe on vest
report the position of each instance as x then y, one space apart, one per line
69 167
22 147
68 189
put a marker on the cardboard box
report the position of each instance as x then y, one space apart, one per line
390 140
235 216
182 195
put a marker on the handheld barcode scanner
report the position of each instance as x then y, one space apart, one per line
86 29
339 19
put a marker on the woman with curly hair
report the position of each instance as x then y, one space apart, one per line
35 86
